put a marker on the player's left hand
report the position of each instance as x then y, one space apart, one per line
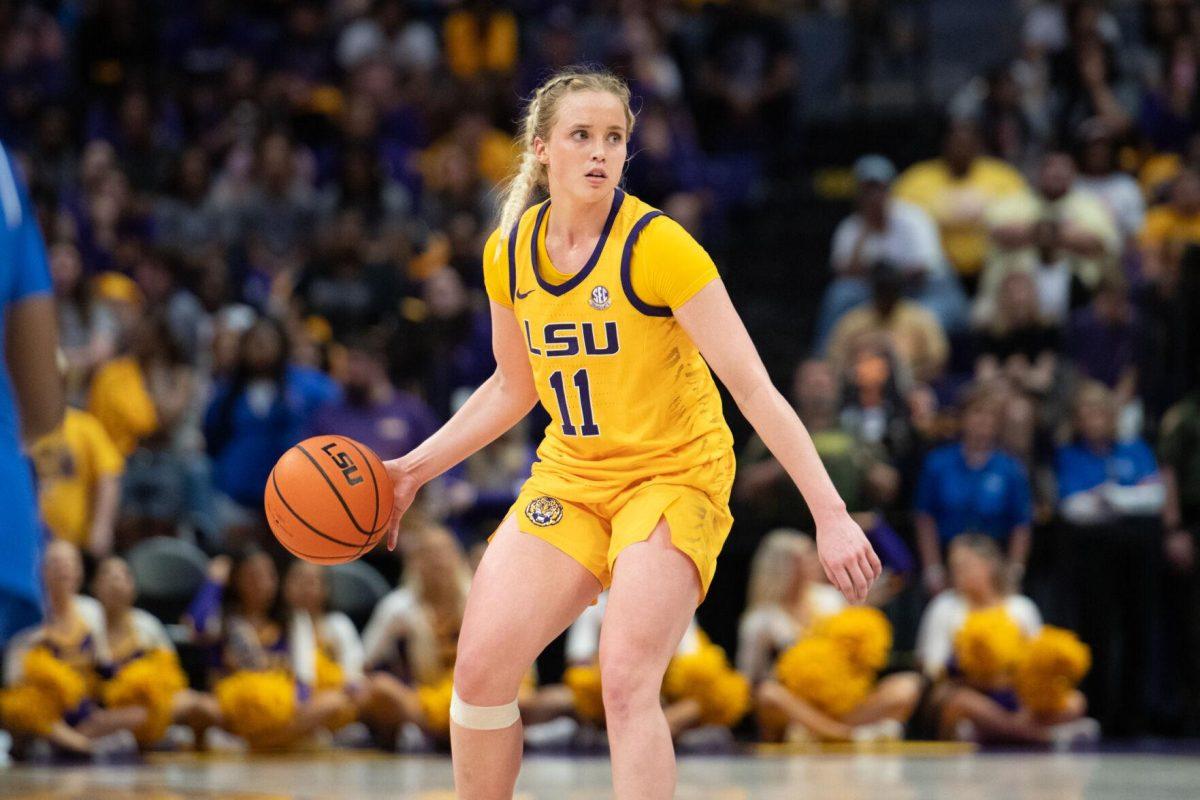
848 558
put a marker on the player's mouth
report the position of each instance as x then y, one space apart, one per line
596 177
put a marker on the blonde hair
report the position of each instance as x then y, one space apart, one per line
424 653
776 562
539 118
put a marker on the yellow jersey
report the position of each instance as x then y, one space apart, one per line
628 394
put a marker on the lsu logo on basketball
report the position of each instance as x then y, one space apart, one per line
343 462
544 511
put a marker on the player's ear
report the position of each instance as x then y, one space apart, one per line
539 151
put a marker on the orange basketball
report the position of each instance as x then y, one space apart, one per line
328 500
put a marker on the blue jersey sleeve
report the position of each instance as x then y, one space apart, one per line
26 252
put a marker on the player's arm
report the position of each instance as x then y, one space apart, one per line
714 325
32 343
501 402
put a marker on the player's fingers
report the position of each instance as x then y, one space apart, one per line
868 571
835 577
858 581
873 558
393 530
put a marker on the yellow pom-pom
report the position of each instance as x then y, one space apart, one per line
727 701
692 674
584 683
435 704
257 705
1052 666
151 682
818 670
863 632
55 678
28 709
988 646
329 673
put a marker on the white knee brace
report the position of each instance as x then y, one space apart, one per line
482 718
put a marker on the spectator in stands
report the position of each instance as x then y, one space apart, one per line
413 633
255 414
239 616
73 633
985 713
1169 111
667 170
1059 289
1108 555
958 189
130 633
480 40
971 486
1018 344
79 482
888 229
786 597
373 411
452 339
1087 234
188 219
1099 478
862 480
1170 228
1103 340
914 334
1100 174
1179 462
877 404
87 330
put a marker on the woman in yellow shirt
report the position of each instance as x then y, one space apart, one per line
610 314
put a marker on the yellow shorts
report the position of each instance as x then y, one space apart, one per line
593 523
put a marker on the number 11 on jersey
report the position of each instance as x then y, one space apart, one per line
589 427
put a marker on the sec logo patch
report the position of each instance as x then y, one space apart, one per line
544 511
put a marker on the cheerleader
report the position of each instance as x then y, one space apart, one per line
72 636
130 634
413 637
786 599
959 707
239 616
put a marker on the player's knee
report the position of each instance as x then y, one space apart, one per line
628 687
482 678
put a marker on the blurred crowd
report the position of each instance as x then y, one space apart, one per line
264 221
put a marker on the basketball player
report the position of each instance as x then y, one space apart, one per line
607 311
31 394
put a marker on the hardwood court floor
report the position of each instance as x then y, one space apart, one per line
900 774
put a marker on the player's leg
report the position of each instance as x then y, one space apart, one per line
524 594
654 594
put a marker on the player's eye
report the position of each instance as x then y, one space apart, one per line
579 135
615 138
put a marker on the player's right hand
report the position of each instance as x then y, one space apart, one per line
405 488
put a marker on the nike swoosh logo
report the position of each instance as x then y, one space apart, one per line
523 295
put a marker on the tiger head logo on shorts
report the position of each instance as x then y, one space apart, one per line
544 511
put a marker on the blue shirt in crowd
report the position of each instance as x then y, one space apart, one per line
1080 468
24 273
991 499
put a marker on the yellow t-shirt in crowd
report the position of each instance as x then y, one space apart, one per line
960 205
627 391
69 463
1166 226
120 400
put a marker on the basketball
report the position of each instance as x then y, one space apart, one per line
328 500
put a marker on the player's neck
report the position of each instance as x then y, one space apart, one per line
573 221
